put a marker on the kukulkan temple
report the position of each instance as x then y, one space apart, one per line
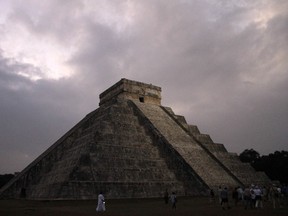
131 146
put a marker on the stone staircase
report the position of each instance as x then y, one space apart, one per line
200 161
243 171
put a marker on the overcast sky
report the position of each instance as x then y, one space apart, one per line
223 65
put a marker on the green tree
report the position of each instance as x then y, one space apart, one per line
274 165
249 156
5 178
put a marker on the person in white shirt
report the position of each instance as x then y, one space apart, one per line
101 203
258 197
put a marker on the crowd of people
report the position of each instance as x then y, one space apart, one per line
250 197
253 196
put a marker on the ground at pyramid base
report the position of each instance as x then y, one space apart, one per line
131 147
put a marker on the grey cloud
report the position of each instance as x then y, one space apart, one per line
202 66
50 19
34 114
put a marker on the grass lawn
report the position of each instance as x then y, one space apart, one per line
131 207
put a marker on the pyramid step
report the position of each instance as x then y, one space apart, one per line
190 150
204 139
193 129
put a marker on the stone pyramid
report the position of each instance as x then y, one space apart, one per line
131 146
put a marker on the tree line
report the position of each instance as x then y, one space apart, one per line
275 165
5 178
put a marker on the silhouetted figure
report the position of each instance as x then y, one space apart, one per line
101 203
224 199
258 197
166 197
253 197
173 200
235 196
219 195
275 194
212 196
247 197
23 193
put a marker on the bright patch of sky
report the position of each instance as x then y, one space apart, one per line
20 43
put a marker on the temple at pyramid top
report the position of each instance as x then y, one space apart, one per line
132 90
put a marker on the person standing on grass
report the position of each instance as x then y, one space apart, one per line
166 197
253 197
274 196
212 196
224 199
235 196
247 197
219 195
101 203
173 200
240 194
265 194
258 197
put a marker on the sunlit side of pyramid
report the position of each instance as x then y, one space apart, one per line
131 146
